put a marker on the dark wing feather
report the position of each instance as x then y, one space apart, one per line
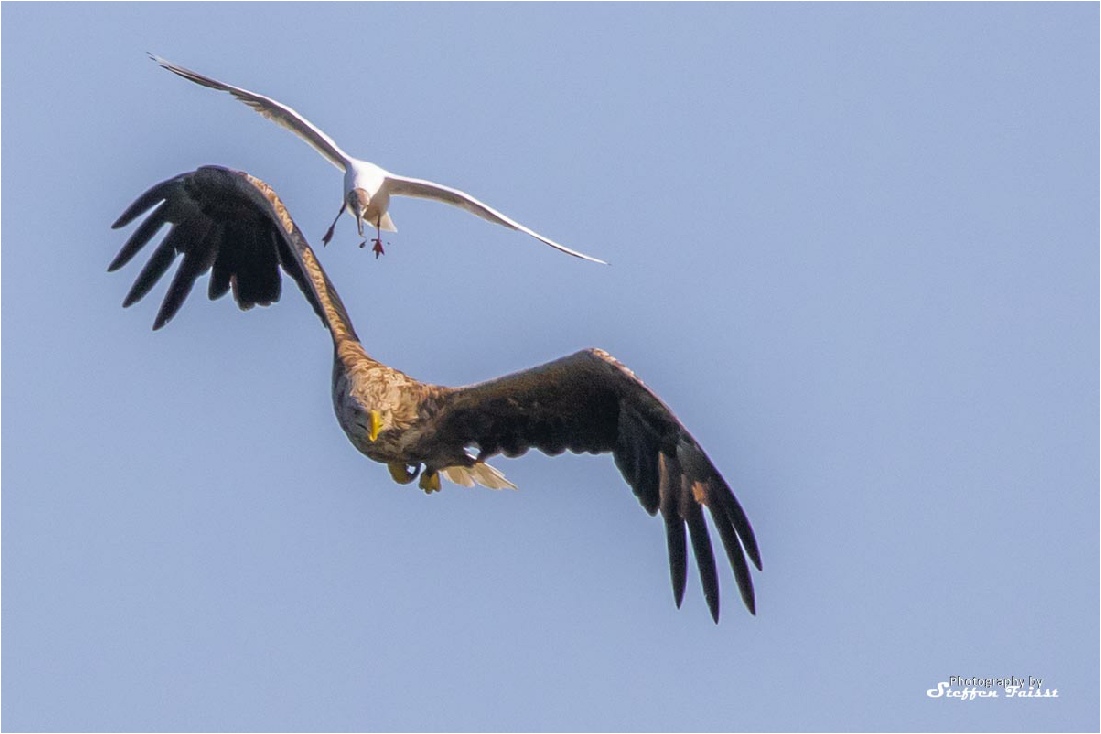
224 269
232 225
151 273
141 236
701 546
589 402
197 259
147 201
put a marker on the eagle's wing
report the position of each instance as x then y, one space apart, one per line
589 402
274 110
229 223
421 189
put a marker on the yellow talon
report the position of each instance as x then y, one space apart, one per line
401 473
375 426
430 482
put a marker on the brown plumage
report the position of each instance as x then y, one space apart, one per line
234 226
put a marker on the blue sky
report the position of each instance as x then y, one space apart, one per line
854 247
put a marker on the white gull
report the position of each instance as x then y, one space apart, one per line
367 187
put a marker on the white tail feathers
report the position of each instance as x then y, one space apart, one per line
479 473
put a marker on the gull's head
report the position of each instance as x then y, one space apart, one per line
366 196
371 208
359 203
362 206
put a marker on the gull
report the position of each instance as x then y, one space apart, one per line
234 226
367 186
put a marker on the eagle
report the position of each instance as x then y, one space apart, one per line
235 227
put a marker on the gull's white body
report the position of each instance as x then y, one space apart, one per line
371 179
367 187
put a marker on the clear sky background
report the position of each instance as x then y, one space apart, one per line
854 247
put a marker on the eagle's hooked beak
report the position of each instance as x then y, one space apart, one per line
374 426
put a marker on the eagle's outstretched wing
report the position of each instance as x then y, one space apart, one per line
229 223
589 402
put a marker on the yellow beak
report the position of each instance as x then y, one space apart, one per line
375 426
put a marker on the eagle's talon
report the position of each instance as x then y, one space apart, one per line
430 482
403 473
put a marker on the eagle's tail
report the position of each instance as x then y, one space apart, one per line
479 473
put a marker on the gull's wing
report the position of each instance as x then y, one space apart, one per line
589 402
233 225
277 112
404 186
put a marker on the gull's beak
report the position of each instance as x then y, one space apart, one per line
359 201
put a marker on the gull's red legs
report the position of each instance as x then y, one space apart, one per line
377 249
329 233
